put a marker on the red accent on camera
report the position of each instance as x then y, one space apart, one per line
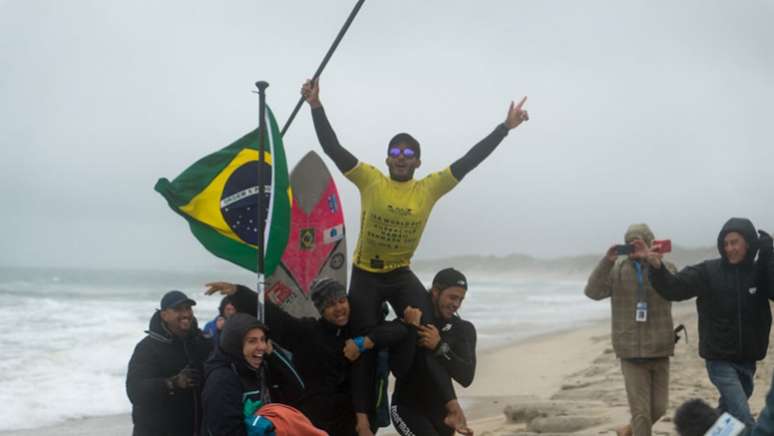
662 246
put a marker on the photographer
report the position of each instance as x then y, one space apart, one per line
642 330
732 296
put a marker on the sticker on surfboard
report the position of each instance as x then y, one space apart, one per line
317 245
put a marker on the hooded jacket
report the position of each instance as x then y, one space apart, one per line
157 410
211 328
317 347
234 390
731 300
618 280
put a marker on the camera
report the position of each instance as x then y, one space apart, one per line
662 246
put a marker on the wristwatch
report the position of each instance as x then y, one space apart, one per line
170 386
443 349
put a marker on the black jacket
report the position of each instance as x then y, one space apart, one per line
732 300
156 410
317 347
230 382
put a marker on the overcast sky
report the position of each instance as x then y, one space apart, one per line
655 111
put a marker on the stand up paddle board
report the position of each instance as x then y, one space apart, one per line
316 246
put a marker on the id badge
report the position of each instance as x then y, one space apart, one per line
641 314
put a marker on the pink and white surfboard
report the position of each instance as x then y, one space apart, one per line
317 244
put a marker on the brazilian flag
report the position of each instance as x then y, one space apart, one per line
218 196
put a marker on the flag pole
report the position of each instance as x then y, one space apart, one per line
261 85
325 60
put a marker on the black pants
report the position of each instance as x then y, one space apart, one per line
412 421
367 292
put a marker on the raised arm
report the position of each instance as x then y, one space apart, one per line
286 330
343 159
686 284
600 284
485 147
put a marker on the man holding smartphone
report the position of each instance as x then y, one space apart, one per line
642 329
732 300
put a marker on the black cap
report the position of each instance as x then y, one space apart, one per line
449 277
324 290
173 298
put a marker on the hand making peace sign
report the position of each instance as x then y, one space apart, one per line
516 115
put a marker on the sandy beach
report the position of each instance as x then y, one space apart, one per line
572 383
566 382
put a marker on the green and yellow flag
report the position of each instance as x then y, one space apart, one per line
218 196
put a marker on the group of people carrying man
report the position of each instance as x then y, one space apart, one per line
310 376
305 376
734 318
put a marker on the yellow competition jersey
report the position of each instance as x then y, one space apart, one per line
393 215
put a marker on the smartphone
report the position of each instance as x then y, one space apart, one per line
625 249
662 246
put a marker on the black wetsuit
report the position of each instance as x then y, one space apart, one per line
418 407
317 348
400 287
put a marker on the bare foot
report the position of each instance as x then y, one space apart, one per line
625 430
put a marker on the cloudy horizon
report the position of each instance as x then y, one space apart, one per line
641 111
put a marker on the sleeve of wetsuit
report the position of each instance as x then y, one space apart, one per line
283 374
686 284
245 300
460 360
479 152
144 384
600 284
286 330
343 159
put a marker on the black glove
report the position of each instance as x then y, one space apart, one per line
765 245
187 378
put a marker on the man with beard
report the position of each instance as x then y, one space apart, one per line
732 300
395 210
165 371
419 407
322 349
